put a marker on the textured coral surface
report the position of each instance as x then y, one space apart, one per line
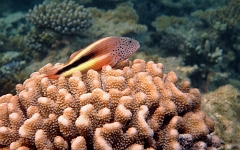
65 17
123 20
134 107
225 103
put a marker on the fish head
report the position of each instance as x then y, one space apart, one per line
126 47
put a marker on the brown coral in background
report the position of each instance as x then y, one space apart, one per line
224 102
134 107
66 17
123 20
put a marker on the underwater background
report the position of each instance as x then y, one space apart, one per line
197 39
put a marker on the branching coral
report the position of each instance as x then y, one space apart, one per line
197 47
182 7
228 15
65 17
135 106
38 42
222 18
119 21
163 22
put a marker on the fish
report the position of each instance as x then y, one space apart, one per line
105 51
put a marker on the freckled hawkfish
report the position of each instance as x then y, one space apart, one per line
106 51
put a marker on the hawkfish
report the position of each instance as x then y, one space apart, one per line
106 51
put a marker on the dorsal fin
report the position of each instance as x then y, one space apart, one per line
72 56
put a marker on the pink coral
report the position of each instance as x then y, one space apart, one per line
136 106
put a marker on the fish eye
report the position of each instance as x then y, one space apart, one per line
130 41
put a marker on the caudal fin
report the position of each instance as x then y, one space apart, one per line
51 74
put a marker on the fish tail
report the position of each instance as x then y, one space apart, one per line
52 74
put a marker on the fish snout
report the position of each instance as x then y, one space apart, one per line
137 45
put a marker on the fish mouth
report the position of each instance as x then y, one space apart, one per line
138 46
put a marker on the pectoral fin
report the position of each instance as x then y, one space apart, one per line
52 74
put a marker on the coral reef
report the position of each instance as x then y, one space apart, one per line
223 106
207 48
182 7
37 42
53 22
221 18
202 35
174 64
40 40
163 22
229 14
148 11
134 107
12 29
222 23
10 68
97 3
120 21
66 17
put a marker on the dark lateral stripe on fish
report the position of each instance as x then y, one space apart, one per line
76 63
